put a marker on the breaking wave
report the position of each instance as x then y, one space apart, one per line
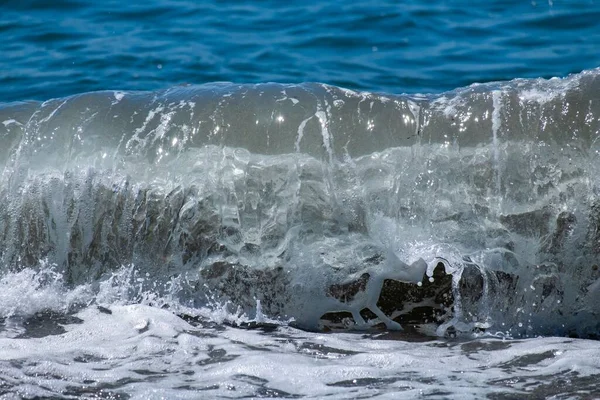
475 210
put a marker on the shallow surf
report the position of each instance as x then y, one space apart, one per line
172 243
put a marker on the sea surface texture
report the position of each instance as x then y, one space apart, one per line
293 200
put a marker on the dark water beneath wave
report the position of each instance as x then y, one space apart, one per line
56 49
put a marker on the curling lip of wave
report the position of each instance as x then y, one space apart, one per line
317 119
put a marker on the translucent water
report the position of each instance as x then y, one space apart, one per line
195 239
271 207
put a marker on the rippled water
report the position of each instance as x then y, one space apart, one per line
173 237
53 49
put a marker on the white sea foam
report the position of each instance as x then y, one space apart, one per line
146 352
29 291
240 210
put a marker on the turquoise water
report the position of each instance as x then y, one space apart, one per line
54 49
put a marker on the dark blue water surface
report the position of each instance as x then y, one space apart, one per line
57 48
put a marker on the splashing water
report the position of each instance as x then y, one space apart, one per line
204 224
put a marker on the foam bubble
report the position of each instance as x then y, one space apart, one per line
146 352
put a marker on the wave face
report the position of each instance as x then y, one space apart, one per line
473 210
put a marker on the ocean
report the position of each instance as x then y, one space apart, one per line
300 200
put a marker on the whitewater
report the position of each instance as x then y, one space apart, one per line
302 240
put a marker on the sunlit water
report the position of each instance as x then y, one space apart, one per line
299 240
54 49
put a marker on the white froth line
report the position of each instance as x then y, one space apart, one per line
301 133
161 130
119 95
292 99
448 106
44 120
11 122
322 117
149 118
539 96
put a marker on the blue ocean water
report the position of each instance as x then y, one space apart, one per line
54 49
410 210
